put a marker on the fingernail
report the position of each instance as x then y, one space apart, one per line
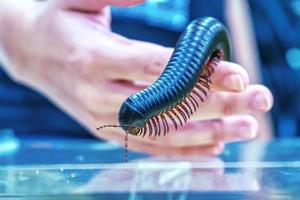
261 102
234 82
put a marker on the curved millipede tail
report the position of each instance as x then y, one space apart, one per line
182 86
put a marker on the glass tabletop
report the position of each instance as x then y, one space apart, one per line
91 169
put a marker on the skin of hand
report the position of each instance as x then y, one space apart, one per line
65 50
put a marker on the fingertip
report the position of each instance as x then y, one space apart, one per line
230 66
269 95
240 128
230 77
262 99
249 127
234 83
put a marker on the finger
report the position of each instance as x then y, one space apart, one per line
256 98
92 5
229 76
140 144
213 149
227 129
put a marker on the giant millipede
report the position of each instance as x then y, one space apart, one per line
185 82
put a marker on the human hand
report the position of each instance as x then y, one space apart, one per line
66 50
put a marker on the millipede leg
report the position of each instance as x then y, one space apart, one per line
177 108
214 62
188 105
144 130
193 104
172 119
166 130
210 67
204 83
203 78
208 70
163 123
155 126
197 94
194 101
150 128
198 86
218 56
140 132
158 124
174 113
206 78
181 105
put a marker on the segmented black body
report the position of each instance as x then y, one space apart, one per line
176 94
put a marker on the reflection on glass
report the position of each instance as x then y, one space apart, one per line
154 175
165 174
167 14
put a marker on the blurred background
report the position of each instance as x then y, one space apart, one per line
265 33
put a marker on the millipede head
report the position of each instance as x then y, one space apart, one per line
133 130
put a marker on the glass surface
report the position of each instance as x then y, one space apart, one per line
90 169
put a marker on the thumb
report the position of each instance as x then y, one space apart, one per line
92 5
